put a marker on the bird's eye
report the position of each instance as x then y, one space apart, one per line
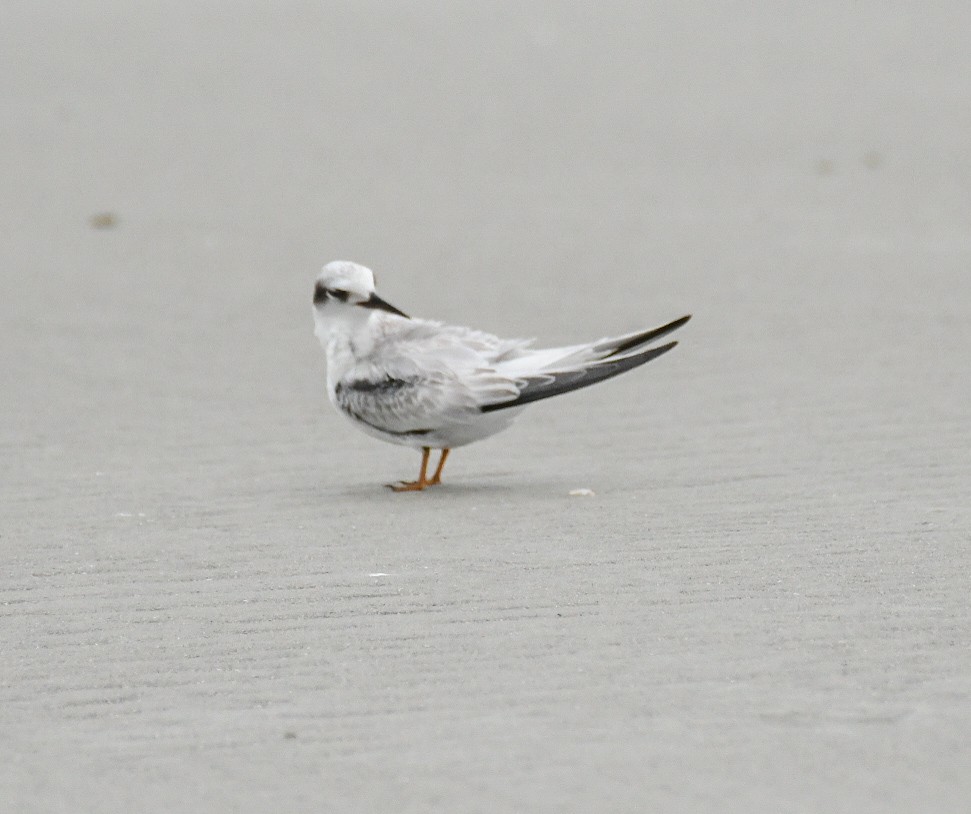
338 294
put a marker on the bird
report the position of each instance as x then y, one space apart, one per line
427 385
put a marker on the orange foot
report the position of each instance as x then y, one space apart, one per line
423 481
408 485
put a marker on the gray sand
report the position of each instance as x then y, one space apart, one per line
209 603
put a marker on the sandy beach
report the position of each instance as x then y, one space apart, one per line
209 602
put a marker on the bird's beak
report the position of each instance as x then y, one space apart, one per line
374 301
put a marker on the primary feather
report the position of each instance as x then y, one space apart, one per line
550 372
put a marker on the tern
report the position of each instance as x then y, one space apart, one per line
426 385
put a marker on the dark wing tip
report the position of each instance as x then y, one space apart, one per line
537 389
647 336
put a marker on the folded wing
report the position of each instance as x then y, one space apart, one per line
545 373
424 380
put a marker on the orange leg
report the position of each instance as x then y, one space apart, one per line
415 485
437 477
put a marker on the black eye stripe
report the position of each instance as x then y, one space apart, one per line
322 294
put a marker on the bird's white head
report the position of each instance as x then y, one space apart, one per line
344 300
342 285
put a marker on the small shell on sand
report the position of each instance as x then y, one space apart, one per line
582 493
